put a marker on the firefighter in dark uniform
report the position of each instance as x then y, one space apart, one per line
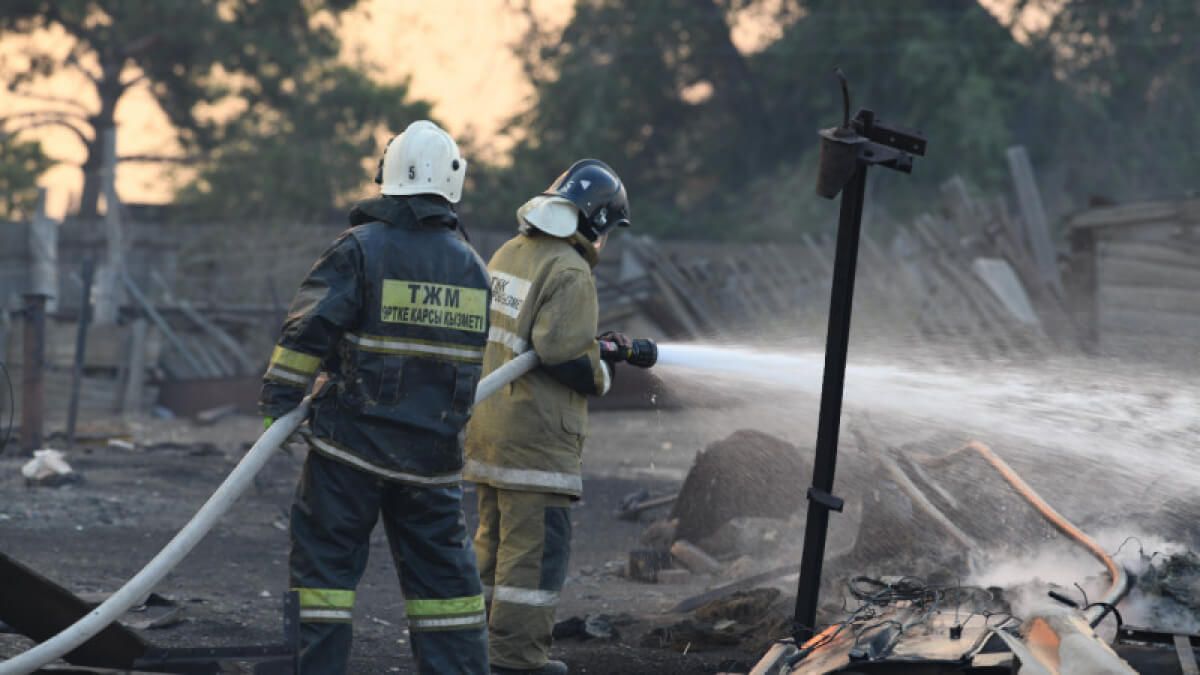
395 315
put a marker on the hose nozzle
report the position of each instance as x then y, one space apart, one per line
641 352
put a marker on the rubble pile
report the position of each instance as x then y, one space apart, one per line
748 620
748 474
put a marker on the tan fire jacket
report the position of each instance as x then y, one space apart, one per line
529 436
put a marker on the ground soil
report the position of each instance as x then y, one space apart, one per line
93 535
1113 449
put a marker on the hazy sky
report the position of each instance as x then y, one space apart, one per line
456 52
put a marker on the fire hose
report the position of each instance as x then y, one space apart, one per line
238 481
1118 579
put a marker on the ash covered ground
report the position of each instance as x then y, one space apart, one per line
1111 446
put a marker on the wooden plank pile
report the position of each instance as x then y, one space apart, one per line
1139 277
963 276
970 274
106 387
203 303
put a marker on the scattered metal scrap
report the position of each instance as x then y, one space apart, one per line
634 505
34 606
907 621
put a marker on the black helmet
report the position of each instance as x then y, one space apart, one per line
593 187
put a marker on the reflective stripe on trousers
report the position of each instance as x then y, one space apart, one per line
446 614
335 510
526 596
332 605
523 546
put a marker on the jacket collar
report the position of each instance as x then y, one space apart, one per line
577 241
586 249
399 210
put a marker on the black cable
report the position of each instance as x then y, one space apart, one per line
1141 548
1110 608
876 594
1083 593
919 594
987 619
12 409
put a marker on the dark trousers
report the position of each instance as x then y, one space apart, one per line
334 511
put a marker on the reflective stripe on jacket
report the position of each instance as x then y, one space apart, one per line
396 313
529 436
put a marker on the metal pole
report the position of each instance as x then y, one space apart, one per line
85 316
33 360
820 496
108 282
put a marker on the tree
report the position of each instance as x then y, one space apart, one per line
299 165
21 162
714 142
946 67
657 89
186 51
1134 68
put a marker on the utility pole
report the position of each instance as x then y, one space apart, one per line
33 390
85 316
43 253
108 277
846 154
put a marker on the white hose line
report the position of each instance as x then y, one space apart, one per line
136 588
504 375
238 481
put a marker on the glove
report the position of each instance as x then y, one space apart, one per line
614 347
267 422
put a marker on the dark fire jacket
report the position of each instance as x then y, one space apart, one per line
395 313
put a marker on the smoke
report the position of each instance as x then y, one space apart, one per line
1154 601
1100 440
1166 594
1103 443
1027 580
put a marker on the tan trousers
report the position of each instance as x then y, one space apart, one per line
523 545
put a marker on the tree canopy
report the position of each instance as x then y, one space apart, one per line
1134 68
275 61
21 162
713 139
301 164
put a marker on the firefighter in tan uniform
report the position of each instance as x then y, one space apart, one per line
524 444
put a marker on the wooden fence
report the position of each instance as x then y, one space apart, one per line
1138 278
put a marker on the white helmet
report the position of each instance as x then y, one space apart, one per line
422 160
